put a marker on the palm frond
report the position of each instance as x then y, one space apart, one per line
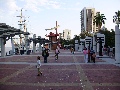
102 14
117 16
116 13
99 19
103 22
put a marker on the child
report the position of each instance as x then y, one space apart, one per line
38 66
72 50
93 57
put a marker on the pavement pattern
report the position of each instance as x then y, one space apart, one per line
69 72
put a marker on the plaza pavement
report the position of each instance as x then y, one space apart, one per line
18 72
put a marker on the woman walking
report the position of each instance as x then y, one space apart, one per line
85 52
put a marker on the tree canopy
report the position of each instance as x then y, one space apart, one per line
99 19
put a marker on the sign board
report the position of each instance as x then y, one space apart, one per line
76 41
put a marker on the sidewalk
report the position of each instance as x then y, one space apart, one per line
68 73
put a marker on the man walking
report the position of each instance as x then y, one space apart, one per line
45 54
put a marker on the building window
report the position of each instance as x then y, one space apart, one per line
87 19
68 33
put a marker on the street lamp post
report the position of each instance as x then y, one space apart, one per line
116 20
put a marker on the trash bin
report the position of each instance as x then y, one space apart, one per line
21 52
16 51
28 52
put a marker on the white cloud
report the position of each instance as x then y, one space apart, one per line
1 10
49 3
72 8
1 17
54 4
43 2
77 4
12 6
9 7
32 5
37 5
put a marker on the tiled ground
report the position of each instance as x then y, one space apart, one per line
103 76
49 76
107 88
73 75
37 87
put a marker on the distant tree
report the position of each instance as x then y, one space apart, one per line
77 38
109 37
62 41
84 34
112 30
99 19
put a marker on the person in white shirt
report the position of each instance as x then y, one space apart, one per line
38 66
56 53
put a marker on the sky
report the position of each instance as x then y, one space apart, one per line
43 14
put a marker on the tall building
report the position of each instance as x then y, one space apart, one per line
87 17
67 34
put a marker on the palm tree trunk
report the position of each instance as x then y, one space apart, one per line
99 27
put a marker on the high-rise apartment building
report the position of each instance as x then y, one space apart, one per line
87 17
67 34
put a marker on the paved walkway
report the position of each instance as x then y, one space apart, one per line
68 73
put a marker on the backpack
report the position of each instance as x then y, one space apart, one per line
85 51
45 53
91 51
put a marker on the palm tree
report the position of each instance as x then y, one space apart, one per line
117 17
99 19
84 34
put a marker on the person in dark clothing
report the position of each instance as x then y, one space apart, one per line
91 53
108 50
93 57
45 54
